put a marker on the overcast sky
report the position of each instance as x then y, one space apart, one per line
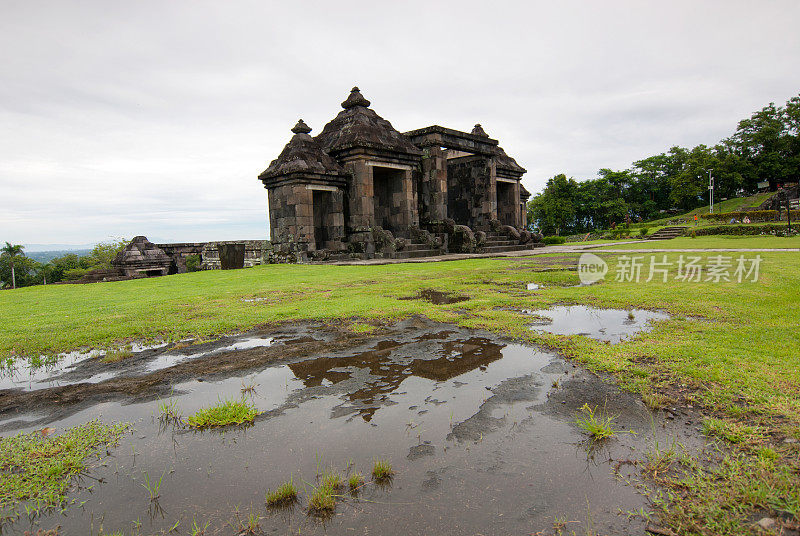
155 118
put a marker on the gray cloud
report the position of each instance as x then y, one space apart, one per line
156 117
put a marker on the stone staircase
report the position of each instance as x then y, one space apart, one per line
415 250
667 233
500 243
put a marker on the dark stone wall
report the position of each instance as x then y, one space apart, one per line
432 182
470 195
291 218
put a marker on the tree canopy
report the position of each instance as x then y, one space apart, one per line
68 267
764 147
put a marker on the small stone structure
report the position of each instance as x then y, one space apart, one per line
141 258
362 189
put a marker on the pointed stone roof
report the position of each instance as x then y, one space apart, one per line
141 253
358 126
506 163
478 131
301 155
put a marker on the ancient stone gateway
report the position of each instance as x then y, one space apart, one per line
362 189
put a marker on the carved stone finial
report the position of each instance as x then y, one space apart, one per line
355 99
478 131
301 128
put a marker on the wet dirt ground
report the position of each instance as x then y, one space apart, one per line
480 430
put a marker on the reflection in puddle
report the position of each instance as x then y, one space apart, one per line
613 325
169 360
44 376
471 423
437 297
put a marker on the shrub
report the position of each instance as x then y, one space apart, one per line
643 231
775 229
754 215
193 263
549 240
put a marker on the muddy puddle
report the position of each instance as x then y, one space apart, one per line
29 377
437 297
480 431
612 325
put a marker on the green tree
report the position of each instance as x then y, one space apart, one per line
61 265
26 271
103 253
553 210
13 251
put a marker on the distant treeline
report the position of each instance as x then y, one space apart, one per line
69 267
765 147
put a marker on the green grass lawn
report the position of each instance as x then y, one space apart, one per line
730 349
714 241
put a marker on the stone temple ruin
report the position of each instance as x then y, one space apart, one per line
361 189
142 258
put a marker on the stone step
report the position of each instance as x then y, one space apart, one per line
667 233
501 243
405 254
416 247
502 249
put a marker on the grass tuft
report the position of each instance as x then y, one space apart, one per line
115 356
322 501
169 411
198 529
332 479
153 487
284 495
224 413
355 481
596 423
382 471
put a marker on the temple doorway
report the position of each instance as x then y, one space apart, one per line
387 184
323 203
507 204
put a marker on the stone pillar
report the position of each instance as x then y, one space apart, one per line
517 206
334 221
406 201
361 203
291 218
433 187
491 165
304 217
